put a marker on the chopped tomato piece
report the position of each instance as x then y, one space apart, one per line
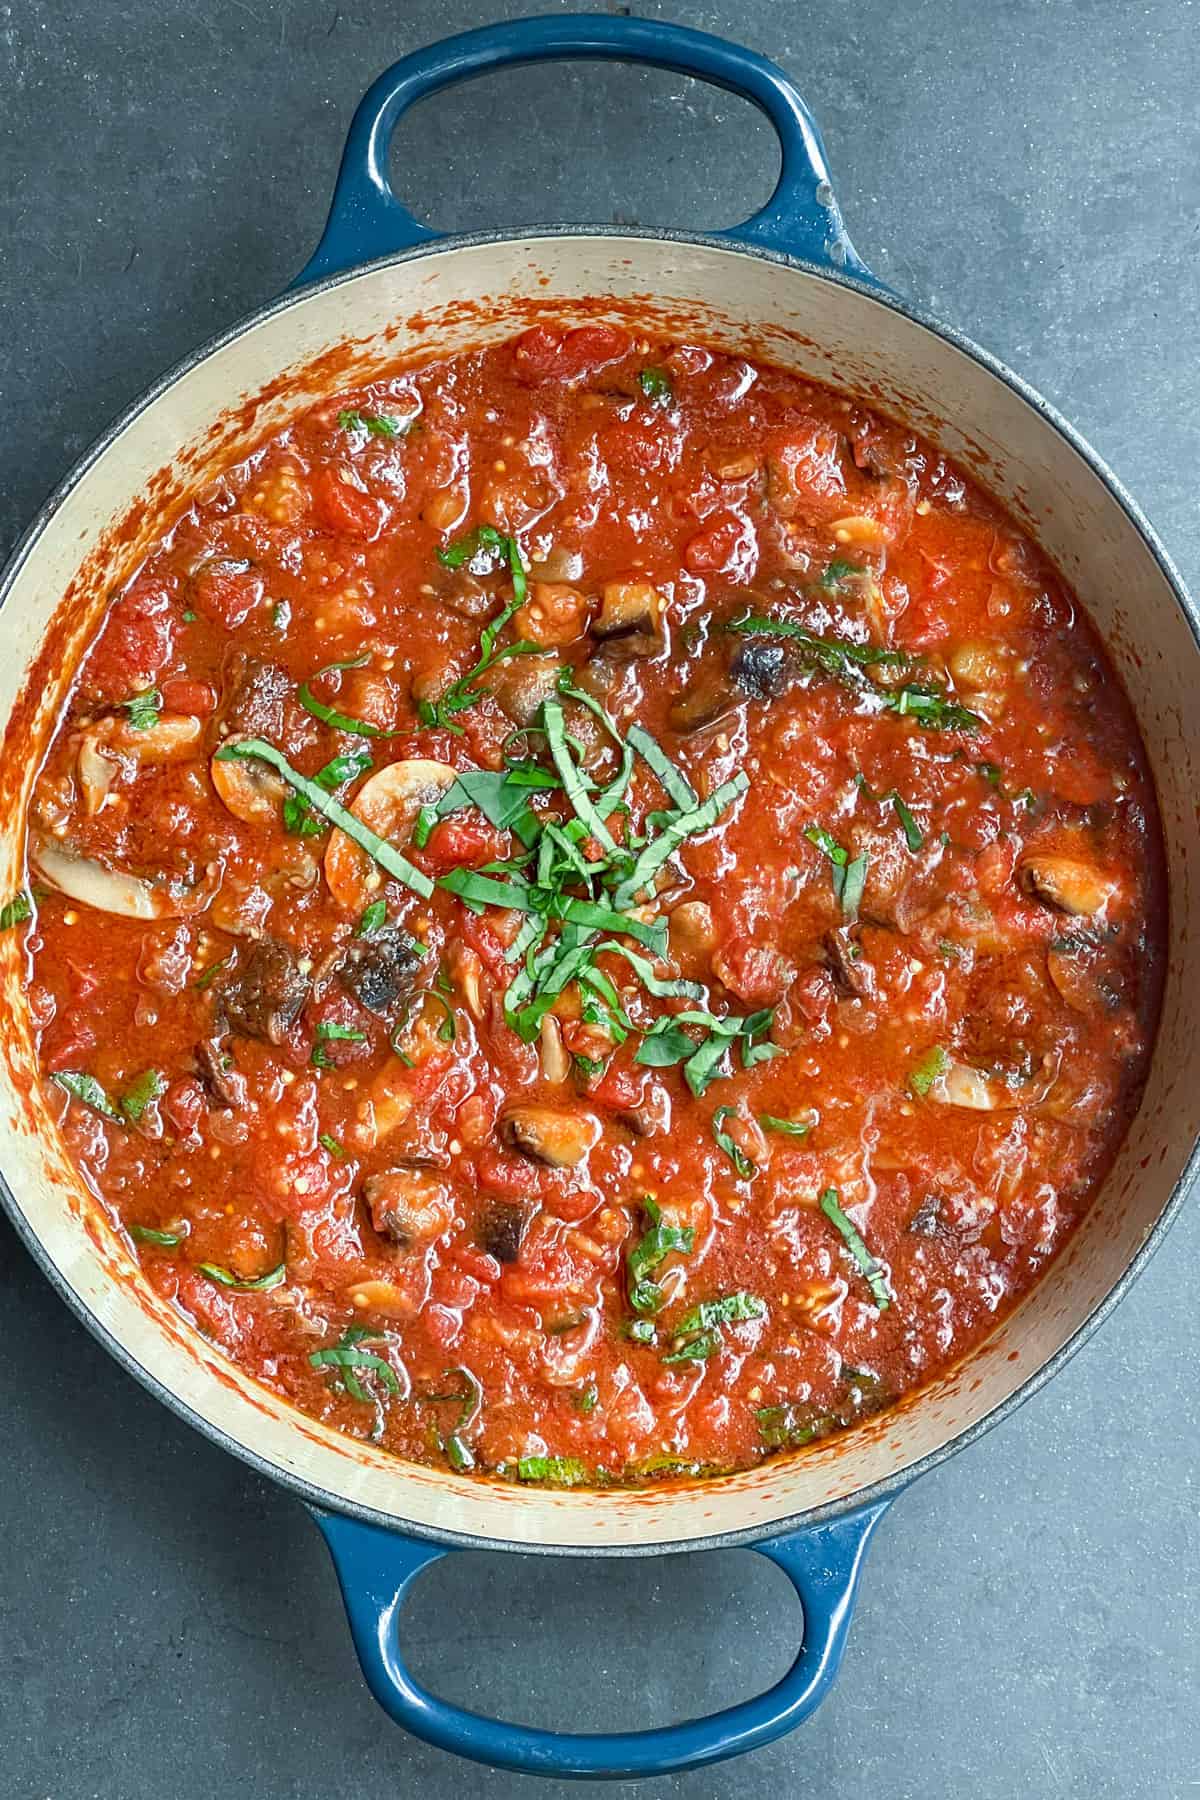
135 641
226 594
181 695
456 842
348 510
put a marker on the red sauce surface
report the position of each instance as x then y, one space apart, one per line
919 925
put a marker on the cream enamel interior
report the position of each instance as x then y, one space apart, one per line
427 304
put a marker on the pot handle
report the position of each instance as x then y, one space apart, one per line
367 221
376 1568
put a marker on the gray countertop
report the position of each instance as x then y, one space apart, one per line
1028 1625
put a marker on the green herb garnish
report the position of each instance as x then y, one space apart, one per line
227 1279
347 1356
281 615
16 911
830 1204
684 825
656 385
932 1065
144 710
586 1398
87 1090
148 1234
797 1128
211 972
652 1248
562 1471
837 656
330 1032
837 571
297 817
380 425
930 708
148 1087
787 1426
465 692
737 1156
329 714
848 873
697 1335
912 831
330 1143
374 918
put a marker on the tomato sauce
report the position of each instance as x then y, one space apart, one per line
597 911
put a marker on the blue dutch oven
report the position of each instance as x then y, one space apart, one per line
786 284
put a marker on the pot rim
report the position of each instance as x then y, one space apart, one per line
889 1486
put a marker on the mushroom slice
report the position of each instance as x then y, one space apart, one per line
113 890
410 1206
547 1135
631 611
388 803
251 791
1067 884
112 742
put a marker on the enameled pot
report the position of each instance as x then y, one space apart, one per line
786 285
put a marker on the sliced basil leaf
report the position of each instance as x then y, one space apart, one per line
688 824
16 911
830 1204
560 1471
86 1089
329 715
149 1234
148 1087
924 1073
144 710
737 1156
227 1279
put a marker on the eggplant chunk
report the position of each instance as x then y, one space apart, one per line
763 671
257 692
381 971
521 684
853 977
410 1206
711 697
631 612
225 1087
263 997
545 1134
502 1228
1067 884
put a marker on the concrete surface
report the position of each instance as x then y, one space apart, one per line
169 1625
